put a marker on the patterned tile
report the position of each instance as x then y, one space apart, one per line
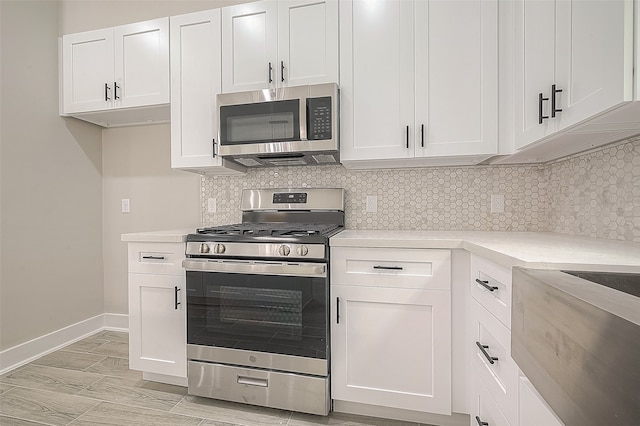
593 194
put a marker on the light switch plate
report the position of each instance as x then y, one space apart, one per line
211 205
497 203
126 205
372 203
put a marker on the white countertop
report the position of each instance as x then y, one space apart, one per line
537 250
170 236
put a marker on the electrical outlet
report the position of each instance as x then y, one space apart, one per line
126 207
372 203
497 203
211 205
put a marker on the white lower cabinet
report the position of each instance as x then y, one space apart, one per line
485 409
157 303
391 328
500 393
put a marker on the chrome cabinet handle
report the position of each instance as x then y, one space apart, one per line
422 135
337 310
176 298
389 268
483 348
541 117
115 91
486 285
554 91
153 257
270 70
106 92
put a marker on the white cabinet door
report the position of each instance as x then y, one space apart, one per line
594 57
87 60
376 78
142 63
583 49
456 63
157 324
195 82
534 69
249 46
307 42
392 347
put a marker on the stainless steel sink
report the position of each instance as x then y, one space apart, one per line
627 283
576 335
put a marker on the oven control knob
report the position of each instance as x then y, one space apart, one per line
284 250
218 248
204 248
302 251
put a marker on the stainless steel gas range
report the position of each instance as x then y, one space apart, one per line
258 301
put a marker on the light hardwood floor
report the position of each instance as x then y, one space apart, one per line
90 383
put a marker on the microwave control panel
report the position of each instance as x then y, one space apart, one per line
319 118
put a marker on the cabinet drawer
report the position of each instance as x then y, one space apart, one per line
156 258
491 287
484 407
391 267
500 377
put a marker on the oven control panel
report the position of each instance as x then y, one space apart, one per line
290 198
256 250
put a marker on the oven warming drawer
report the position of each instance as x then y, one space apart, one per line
260 387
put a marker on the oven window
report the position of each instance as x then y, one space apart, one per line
260 123
266 313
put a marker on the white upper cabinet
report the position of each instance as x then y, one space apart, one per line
141 63
269 44
307 42
418 82
573 61
195 82
88 65
126 66
456 84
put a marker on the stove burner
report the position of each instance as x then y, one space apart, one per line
269 230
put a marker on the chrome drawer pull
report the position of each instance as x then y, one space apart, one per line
491 359
251 381
486 285
153 257
480 422
389 268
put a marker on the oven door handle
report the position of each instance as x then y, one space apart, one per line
291 269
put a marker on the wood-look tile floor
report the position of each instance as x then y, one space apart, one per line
90 383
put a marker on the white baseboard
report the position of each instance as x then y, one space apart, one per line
26 352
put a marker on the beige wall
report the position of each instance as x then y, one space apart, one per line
51 205
136 165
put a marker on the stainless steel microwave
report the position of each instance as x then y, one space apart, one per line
290 126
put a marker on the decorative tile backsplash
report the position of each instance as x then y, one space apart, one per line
595 194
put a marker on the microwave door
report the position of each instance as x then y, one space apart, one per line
264 122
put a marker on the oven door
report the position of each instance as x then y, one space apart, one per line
256 307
